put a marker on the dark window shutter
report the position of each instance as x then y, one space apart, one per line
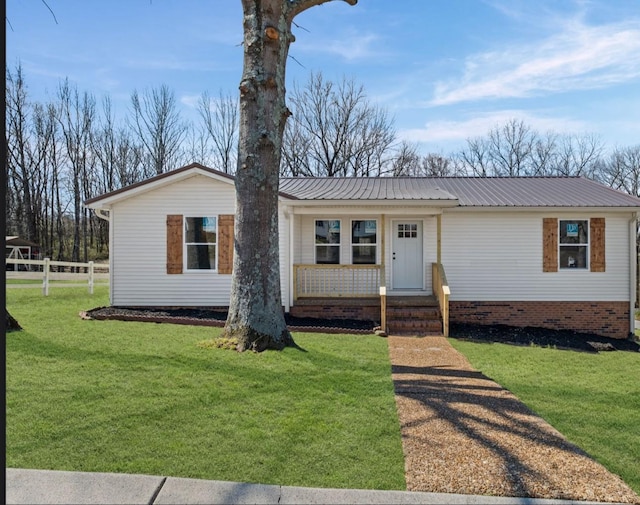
174 244
596 233
225 244
550 244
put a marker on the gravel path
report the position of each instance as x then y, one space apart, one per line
463 433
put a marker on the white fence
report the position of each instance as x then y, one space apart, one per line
43 270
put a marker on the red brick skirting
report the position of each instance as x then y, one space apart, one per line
609 319
359 313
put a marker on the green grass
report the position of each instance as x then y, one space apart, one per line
54 283
592 399
112 396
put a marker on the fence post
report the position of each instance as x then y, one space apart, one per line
45 277
91 277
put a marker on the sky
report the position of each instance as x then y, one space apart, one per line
444 70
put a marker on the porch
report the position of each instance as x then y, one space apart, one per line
359 292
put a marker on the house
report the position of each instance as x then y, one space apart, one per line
539 251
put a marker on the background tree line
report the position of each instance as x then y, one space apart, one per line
73 147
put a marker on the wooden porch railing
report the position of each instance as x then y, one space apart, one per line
441 291
332 281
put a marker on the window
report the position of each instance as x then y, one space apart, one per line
364 242
327 242
408 230
200 236
574 244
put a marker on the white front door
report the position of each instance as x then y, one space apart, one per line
406 255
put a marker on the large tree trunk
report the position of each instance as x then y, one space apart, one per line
256 317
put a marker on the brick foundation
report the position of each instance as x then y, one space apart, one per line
609 319
359 313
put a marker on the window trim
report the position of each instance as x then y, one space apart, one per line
315 245
185 245
587 245
374 245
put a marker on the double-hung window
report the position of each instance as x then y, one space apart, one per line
574 244
201 236
327 241
364 241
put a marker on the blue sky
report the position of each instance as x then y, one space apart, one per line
445 70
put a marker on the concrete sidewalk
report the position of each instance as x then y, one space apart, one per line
57 487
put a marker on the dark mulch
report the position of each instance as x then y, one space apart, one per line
218 316
561 339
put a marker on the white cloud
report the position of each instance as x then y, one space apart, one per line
190 101
441 132
580 57
352 46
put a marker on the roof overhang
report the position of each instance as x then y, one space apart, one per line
108 199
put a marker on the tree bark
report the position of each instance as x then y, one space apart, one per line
256 318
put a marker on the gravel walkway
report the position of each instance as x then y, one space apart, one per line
463 433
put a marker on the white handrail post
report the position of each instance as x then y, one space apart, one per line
91 277
45 277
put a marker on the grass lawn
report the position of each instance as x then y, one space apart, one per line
55 282
592 399
111 396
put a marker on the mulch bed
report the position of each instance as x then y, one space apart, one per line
560 339
217 316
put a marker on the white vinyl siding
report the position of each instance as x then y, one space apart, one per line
139 246
497 256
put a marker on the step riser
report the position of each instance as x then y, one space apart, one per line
413 314
411 326
414 320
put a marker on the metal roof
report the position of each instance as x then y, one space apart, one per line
450 191
468 191
363 188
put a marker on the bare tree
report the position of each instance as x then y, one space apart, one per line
255 318
24 159
510 148
476 157
118 163
76 116
158 126
578 155
220 119
335 131
406 160
437 165
544 154
515 149
296 160
622 170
